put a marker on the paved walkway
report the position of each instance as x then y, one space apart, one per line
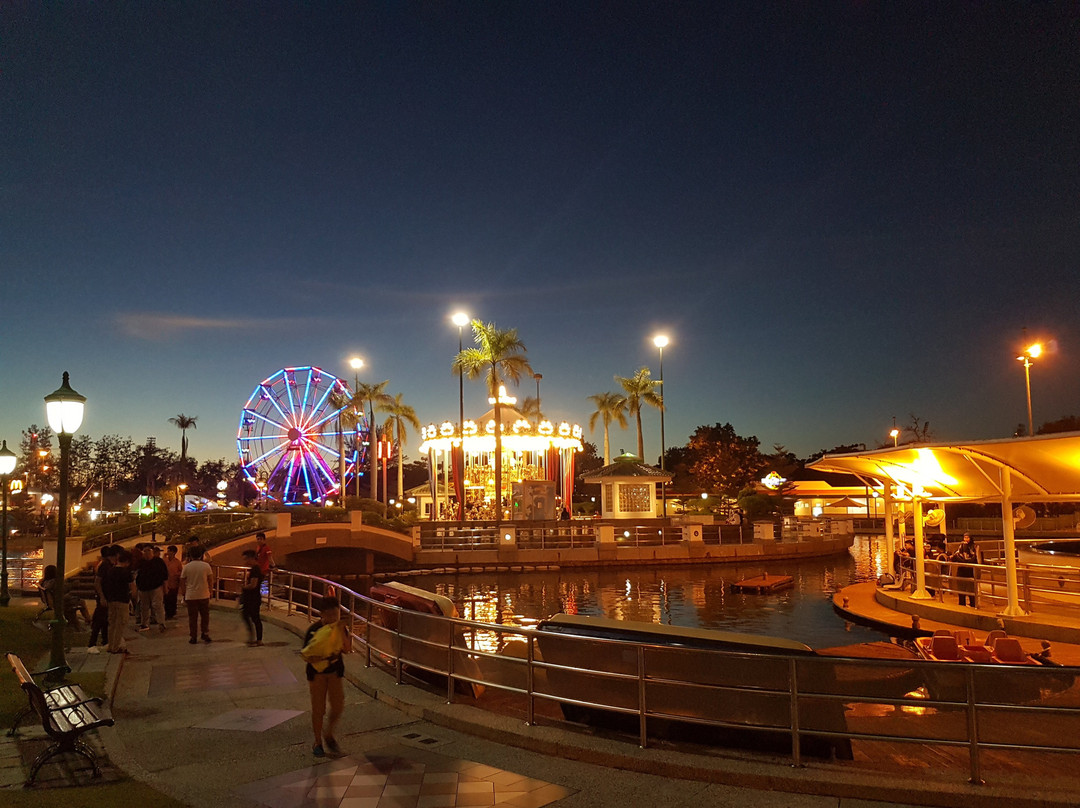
224 724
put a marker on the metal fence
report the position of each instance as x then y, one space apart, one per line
803 702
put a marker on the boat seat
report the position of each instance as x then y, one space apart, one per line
977 653
964 637
944 647
1009 650
943 632
993 637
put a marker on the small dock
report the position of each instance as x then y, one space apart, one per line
763 584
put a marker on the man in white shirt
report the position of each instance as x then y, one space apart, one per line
196 580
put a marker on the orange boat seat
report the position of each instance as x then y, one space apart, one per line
1009 650
993 637
944 647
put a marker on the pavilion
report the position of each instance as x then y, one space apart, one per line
1043 468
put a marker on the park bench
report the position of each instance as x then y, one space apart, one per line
66 713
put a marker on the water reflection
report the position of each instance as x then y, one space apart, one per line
696 596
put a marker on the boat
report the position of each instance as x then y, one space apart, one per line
424 642
692 676
764 584
960 646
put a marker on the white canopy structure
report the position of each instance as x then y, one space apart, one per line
1044 468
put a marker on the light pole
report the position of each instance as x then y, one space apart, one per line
1033 351
355 363
538 377
460 319
894 433
64 409
7 465
660 341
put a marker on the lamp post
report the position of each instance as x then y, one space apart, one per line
64 409
537 377
7 465
180 489
660 341
894 433
1032 351
460 319
355 363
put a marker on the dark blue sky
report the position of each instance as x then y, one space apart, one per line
838 212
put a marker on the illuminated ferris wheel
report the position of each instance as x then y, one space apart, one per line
289 440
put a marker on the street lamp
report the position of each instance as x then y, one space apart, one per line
1033 351
355 363
894 433
460 319
7 465
180 489
660 341
64 409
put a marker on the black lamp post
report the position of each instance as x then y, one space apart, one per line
461 319
64 409
660 341
7 465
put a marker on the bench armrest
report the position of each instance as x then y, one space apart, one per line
61 668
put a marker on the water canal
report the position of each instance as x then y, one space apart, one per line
696 596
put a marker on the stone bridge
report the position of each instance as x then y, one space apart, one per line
347 548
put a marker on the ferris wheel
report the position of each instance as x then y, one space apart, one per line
289 436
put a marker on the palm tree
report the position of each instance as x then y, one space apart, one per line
347 418
376 398
640 389
184 423
400 416
530 408
499 357
609 407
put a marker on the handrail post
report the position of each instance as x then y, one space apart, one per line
530 715
397 653
450 666
796 746
972 728
367 636
289 599
643 739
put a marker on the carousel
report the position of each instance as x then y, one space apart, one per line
537 466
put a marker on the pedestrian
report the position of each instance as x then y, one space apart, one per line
99 622
119 589
196 580
264 555
172 585
324 644
967 555
189 548
251 598
150 583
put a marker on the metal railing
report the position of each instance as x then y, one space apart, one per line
562 535
796 700
726 534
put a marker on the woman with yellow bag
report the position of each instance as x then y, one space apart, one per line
324 644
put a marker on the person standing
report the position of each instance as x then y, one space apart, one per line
150 582
119 589
966 557
251 598
172 585
324 644
196 579
263 554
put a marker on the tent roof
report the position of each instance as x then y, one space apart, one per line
1044 468
623 467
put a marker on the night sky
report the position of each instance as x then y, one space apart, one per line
839 213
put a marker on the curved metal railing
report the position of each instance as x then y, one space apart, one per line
799 699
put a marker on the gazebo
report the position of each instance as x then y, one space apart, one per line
1044 468
628 487
532 454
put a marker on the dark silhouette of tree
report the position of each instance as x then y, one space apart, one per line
1069 423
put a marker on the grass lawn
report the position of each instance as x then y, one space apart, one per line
19 635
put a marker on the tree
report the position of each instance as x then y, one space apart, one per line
348 417
720 460
376 398
498 357
1068 423
530 408
609 407
400 416
184 423
640 390
38 467
919 430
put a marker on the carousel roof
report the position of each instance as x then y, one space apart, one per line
626 465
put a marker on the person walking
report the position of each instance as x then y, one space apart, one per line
172 586
150 583
324 644
196 580
119 589
967 555
251 598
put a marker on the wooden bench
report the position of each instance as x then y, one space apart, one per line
66 712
